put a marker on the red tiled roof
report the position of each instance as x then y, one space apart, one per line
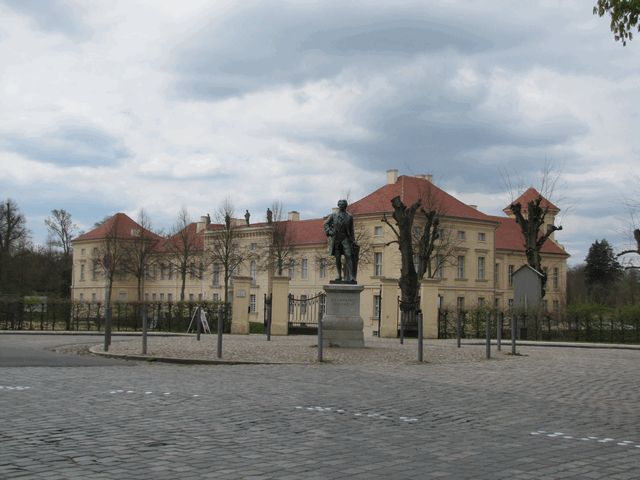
509 237
120 225
411 189
174 241
307 232
528 196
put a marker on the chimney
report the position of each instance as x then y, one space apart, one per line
475 207
392 176
202 224
429 177
293 216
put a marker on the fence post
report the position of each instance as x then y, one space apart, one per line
488 334
499 324
144 328
221 311
320 346
514 324
418 313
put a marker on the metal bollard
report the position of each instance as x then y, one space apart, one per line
488 334
514 324
499 321
320 346
420 335
221 310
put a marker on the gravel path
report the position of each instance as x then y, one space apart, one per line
300 349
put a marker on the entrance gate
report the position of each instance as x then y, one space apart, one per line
305 313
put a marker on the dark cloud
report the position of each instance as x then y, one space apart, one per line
68 146
57 16
264 45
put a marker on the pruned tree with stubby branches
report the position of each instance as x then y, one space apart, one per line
139 252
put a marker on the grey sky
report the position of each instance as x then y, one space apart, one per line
115 106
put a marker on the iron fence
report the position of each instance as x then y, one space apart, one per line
612 327
89 316
305 313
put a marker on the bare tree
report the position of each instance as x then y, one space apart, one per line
184 248
403 229
425 246
13 235
223 248
280 248
139 252
61 229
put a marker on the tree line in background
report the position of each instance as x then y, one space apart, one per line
26 268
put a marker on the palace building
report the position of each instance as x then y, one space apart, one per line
472 264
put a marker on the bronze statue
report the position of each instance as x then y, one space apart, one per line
269 215
341 242
247 215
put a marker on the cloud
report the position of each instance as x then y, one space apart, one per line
70 145
54 16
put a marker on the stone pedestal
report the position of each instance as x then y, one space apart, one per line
240 305
341 323
429 307
280 306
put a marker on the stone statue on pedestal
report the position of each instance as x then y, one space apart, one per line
342 243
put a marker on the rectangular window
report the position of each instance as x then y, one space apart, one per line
292 268
153 297
162 297
377 299
169 297
82 252
439 267
252 303
556 306
377 231
304 268
163 271
556 277
94 270
82 297
199 297
481 268
482 237
377 270
461 235
510 275
171 269
254 246
216 297
191 297
93 298
122 296
510 303
323 268
460 304
215 276
146 297
82 273
253 272
460 266
480 302
496 275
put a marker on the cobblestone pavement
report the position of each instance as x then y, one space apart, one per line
553 413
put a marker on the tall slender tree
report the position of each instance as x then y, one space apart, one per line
61 231
223 248
14 236
185 249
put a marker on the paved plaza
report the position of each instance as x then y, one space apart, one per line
553 413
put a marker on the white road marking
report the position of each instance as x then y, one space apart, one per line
621 443
372 415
